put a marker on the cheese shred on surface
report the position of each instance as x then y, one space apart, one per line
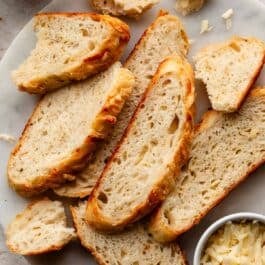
236 244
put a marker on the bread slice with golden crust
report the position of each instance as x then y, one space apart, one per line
38 229
64 128
143 168
225 150
133 246
166 35
70 46
123 7
229 70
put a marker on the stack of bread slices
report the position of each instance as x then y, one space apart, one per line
121 139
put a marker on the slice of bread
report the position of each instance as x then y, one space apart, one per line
64 129
40 228
229 69
70 46
123 7
225 150
186 7
163 37
143 168
131 247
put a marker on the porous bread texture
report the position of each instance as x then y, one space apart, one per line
186 7
123 7
133 246
163 37
229 70
70 46
225 150
143 168
39 229
64 128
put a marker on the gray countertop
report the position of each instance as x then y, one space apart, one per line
14 14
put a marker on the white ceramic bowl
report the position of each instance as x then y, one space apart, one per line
219 223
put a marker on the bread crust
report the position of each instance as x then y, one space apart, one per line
17 250
94 216
161 231
109 52
102 124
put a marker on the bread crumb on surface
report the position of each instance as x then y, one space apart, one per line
7 138
205 26
228 14
191 41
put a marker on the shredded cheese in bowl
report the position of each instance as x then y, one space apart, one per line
236 243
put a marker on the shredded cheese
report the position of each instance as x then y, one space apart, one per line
205 26
236 244
7 138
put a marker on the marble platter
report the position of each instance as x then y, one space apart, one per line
15 108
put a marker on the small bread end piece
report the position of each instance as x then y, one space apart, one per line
229 70
39 229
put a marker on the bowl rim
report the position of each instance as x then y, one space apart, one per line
219 223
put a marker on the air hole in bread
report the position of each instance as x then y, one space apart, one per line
154 142
91 45
166 83
185 179
149 77
66 61
174 125
118 161
123 253
166 215
103 197
124 155
142 154
84 32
